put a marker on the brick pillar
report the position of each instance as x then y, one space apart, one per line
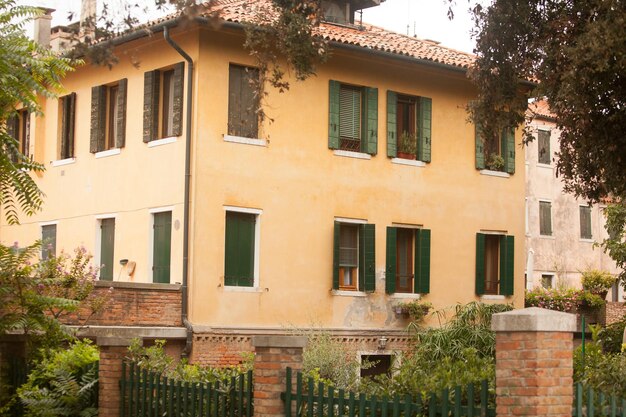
273 354
112 352
534 363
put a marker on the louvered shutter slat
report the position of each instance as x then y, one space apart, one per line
120 139
371 130
480 263
390 272
150 105
424 129
480 149
177 106
422 261
392 128
336 236
369 258
333 114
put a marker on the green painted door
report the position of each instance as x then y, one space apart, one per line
107 244
162 247
239 262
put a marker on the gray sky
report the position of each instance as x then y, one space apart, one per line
427 19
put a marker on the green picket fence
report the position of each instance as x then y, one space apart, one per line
591 403
317 400
149 394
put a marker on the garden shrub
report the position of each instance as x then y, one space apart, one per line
330 361
611 336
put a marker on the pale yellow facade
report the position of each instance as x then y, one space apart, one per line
289 178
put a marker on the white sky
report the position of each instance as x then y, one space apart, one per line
427 19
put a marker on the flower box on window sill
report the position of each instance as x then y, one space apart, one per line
406 155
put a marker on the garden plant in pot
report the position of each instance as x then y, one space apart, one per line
597 282
407 146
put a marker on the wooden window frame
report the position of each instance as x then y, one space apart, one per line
542 231
236 108
492 257
580 216
349 143
352 271
544 151
409 235
66 126
410 119
112 114
166 104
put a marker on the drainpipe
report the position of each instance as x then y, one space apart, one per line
185 302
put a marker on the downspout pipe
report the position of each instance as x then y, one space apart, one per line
184 295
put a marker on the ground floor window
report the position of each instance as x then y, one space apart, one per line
376 364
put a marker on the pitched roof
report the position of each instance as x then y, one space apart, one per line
540 109
365 36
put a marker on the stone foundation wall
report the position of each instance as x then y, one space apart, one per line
614 311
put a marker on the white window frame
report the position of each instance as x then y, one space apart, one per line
257 248
590 223
50 223
552 279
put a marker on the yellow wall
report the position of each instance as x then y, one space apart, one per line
300 185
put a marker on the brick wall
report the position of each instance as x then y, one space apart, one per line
110 372
614 311
134 304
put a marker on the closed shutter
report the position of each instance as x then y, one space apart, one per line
68 106
177 108
150 105
336 238
424 129
371 128
368 264
390 272
162 247
107 246
98 118
585 222
508 150
48 241
333 115
480 149
507 258
480 263
239 249
350 113
545 218
422 261
392 124
543 147
120 138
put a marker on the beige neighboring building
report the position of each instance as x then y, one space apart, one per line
560 229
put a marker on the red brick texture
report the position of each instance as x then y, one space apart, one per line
534 374
613 312
110 373
134 305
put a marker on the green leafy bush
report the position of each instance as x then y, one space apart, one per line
559 299
416 309
597 282
331 361
611 336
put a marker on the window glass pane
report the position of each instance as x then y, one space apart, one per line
350 118
492 263
107 242
546 280
585 222
545 218
48 241
544 147
112 116
167 114
404 260
348 245
242 102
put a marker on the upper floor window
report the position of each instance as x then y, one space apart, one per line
496 153
494 264
409 121
241 248
353 118
408 261
243 102
585 222
18 127
545 218
163 103
543 147
48 241
67 115
108 116
354 257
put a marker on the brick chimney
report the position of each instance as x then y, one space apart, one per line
87 19
43 23
342 11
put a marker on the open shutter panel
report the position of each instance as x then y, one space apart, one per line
480 263
150 105
422 261
71 108
390 272
369 258
509 157
336 256
424 129
480 150
179 71
333 116
392 128
11 126
120 139
507 252
98 118
371 130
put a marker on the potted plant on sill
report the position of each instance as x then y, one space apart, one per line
407 146
495 162
416 309
597 282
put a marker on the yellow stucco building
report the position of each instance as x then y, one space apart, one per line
368 189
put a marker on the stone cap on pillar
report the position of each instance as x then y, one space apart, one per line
279 341
533 319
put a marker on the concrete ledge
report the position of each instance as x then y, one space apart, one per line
113 341
129 332
533 319
279 341
138 285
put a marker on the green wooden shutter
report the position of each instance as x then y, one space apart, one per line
508 150
333 115
150 105
367 255
371 127
48 241
162 247
107 248
120 139
336 234
68 106
12 124
480 263
98 118
507 252
424 134
239 249
480 149
179 71
422 261
392 127
390 273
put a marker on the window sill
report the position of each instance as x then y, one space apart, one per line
164 141
345 293
495 173
549 237
245 141
539 165
587 240
228 288
409 162
405 296
492 297
61 162
350 154
108 152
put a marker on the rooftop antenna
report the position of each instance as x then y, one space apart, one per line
414 29
361 18
408 16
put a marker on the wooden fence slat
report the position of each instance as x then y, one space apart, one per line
298 393
457 401
341 407
470 400
408 401
445 404
310 394
320 399
331 406
395 411
351 405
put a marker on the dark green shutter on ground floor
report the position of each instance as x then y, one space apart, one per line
391 267
107 245
507 263
162 247
367 258
239 252
422 261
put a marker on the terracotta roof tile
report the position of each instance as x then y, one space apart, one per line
540 108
